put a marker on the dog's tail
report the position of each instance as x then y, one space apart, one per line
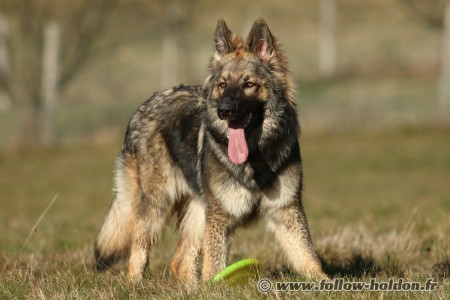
114 239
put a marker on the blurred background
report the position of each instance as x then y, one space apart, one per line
373 97
77 70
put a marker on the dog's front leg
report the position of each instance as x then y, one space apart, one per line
291 230
215 244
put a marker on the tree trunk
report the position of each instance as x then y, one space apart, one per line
5 100
169 64
444 82
50 77
327 40
170 45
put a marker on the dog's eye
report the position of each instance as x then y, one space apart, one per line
223 85
249 84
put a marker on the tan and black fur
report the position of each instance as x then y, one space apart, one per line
174 161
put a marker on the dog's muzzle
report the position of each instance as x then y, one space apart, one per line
227 109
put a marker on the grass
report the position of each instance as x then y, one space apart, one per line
377 201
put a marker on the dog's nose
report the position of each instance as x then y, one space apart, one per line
226 108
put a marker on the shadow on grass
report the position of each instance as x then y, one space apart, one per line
441 269
357 266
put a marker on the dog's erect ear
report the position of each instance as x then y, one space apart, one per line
223 40
260 40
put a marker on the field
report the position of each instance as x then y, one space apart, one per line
376 151
377 201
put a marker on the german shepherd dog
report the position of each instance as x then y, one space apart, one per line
216 156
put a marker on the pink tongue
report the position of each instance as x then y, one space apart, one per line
237 145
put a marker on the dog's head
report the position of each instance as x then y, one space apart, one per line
247 83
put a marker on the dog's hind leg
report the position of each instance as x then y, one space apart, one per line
184 264
151 210
138 260
147 228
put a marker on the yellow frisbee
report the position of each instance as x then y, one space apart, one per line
239 272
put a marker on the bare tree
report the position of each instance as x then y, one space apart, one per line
50 79
436 14
176 54
170 43
42 61
5 101
444 82
327 38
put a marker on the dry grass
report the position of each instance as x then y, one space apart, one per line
355 254
359 252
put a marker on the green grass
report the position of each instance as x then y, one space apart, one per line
377 201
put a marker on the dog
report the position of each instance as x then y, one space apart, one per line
217 156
